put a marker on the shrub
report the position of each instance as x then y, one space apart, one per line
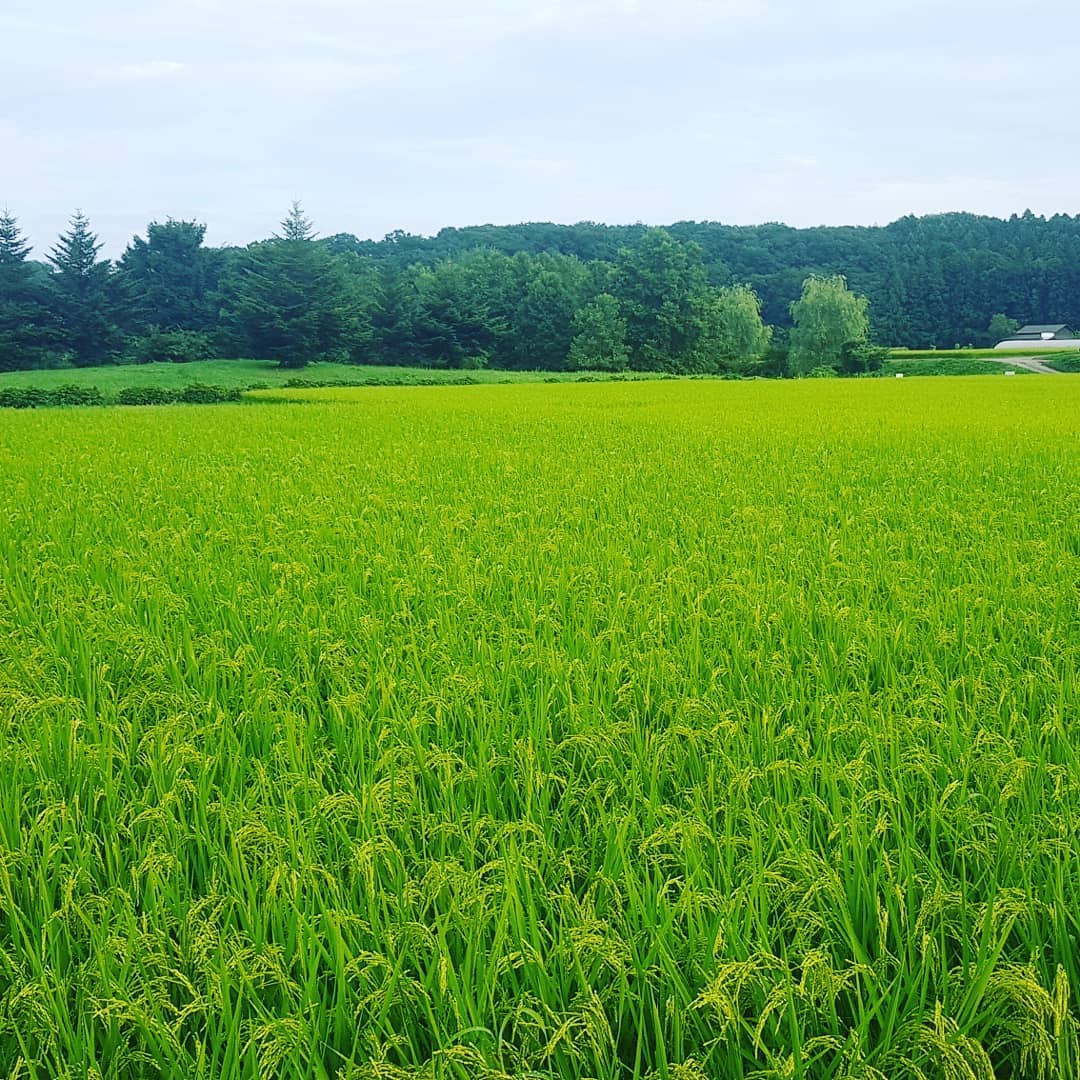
38 397
203 394
146 395
70 394
170 347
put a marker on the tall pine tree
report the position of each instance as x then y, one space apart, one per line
165 280
81 296
290 298
24 334
297 226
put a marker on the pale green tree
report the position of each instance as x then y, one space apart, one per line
734 335
831 323
1001 327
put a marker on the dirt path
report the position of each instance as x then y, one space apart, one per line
1029 363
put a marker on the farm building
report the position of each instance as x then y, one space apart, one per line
1056 336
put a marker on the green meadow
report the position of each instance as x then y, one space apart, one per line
242 374
669 730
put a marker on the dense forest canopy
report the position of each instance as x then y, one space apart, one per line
530 296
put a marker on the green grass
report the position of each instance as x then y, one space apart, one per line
1070 364
974 354
950 365
674 730
246 373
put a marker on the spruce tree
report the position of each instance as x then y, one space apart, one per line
296 226
290 298
82 298
24 334
166 279
14 248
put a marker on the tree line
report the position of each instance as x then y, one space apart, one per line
694 297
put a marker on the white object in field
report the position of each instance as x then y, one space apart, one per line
899 374
1010 372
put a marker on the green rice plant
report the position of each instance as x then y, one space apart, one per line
640 729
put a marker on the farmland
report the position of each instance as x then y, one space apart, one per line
666 729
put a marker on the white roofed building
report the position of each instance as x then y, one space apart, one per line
1035 336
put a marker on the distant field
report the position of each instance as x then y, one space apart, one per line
670 730
245 373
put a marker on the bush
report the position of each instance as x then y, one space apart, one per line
37 397
22 397
70 394
203 394
194 394
146 395
859 357
170 347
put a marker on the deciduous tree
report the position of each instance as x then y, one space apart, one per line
829 320
599 337
734 335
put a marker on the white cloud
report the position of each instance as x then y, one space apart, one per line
419 113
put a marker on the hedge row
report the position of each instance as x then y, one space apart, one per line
37 397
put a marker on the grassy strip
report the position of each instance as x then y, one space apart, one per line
949 365
973 354
248 374
1067 363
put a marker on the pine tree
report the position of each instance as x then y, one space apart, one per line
14 248
290 298
24 334
81 296
166 278
296 226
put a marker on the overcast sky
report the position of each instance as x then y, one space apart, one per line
416 114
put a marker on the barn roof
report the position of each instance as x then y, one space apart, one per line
1055 329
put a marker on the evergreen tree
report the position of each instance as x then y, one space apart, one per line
14 248
542 319
291 298
296 226
166 278
23 317
81 296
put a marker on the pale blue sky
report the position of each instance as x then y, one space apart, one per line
424 113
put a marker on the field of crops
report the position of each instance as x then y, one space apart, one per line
675 730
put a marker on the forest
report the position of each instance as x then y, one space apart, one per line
690 297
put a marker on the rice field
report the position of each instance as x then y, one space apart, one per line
671 730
